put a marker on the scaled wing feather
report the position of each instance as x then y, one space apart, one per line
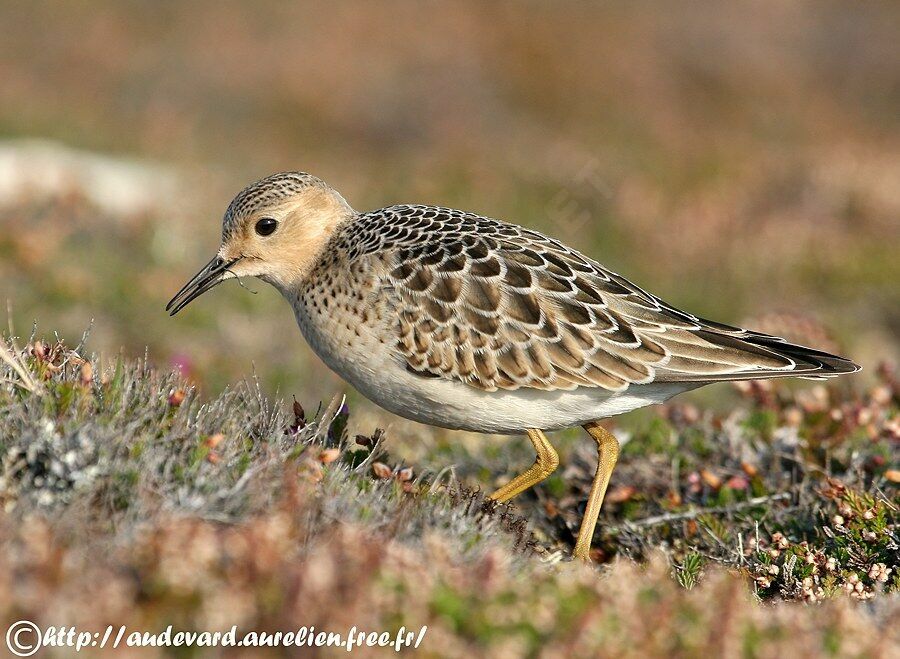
497 306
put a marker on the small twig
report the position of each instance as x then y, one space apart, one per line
693 514
718 540
375 452
436 482
27 382
84 337
14 382
240 281
240 483
10 357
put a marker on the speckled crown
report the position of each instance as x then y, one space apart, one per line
263 193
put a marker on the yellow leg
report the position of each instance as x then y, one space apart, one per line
608 453
545 464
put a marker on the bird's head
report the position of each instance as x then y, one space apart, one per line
275 229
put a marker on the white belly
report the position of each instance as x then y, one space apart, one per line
455 405
367 363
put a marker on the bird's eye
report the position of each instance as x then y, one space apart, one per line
266 226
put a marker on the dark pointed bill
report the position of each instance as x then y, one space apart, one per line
213 273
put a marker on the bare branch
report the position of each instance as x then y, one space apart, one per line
693 514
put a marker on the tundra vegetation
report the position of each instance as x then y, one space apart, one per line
738 159
128 498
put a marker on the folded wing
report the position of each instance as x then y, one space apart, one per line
501 307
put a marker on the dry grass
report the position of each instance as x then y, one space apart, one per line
235 511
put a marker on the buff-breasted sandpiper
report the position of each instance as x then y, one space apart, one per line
466 322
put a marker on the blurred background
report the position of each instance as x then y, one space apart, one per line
741 160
